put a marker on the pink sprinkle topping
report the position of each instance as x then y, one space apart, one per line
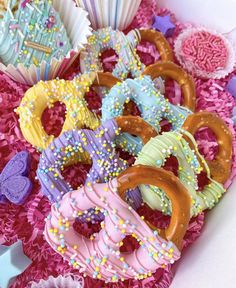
207 51
14 26
24 3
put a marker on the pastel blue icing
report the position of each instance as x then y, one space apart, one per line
33 26
152 104
107 38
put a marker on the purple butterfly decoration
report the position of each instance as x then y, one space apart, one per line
15 186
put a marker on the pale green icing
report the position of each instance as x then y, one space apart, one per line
31 23
155 152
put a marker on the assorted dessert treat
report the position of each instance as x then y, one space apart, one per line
32 33
145 178
37 40
99 145
125 47
71 93
183 146
108 263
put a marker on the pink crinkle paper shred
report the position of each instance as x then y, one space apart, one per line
26 222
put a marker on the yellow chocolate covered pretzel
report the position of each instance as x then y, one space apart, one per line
71 93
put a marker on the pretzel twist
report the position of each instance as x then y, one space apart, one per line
100 256
72 145
71 93
220 167
175 72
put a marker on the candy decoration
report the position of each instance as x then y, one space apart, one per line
100 256
107 38
12 262
32 34
164 25
15 186
37 42
231 86
205 53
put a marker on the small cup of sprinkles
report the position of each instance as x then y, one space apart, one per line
205 53
117 14
39 40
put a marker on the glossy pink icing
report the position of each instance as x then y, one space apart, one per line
100 257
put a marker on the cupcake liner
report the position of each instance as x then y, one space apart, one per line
78 29
115 13
190 64
59 282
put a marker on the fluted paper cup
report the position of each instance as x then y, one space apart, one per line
59 282
206 53
115 13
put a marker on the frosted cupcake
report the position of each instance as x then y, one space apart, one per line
36 37
35 33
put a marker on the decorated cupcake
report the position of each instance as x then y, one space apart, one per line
35 38
115 13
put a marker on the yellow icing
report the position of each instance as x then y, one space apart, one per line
45 94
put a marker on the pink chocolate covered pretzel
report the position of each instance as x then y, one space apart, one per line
100 256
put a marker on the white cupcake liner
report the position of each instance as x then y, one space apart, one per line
115 13
78 29
190 66
59 282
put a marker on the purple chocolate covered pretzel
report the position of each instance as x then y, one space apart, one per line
100 145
